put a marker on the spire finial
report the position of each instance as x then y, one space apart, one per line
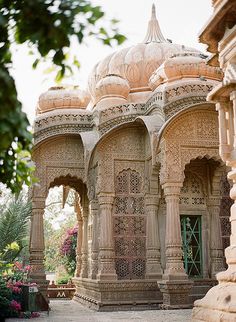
154 33
154 12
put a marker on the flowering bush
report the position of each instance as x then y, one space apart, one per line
68 249
11 299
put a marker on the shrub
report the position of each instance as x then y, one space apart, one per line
64 279
68 250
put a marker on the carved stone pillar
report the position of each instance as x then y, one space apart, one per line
106 269
175 285
37 273
216 250
79 240
94 246
174 264
84 248
219 302
153 264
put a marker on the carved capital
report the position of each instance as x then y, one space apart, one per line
151 200
38 203
105 199
214 202
233 96
94 206
172 189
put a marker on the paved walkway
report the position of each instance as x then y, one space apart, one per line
71 311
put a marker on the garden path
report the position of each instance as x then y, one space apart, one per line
71 311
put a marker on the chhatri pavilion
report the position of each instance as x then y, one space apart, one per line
140 148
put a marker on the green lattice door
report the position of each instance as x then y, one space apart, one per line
192 245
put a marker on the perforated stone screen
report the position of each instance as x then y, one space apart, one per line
129 226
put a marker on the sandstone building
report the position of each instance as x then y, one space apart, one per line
140 147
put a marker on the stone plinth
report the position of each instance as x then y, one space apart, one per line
118 295
176 294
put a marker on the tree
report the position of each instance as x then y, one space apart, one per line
47 27
14 224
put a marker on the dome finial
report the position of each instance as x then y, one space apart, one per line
154 33
154 12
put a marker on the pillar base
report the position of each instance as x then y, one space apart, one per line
218 304
38 278
106 277
176 294
118 295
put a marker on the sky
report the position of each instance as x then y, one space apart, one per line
179 20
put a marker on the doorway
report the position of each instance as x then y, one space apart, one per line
191 231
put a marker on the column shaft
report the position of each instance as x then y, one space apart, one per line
78 248
106 268
174 263
216 240
84 248
153 265
37 273
94 246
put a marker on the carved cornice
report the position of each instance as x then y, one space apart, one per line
170 101
60 129
181 104
121 110
60 122
181 97
189 90
62 117
117 115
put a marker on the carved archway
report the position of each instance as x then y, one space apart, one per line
58 160
193 134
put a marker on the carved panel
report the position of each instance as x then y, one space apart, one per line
59 157
129 225
192 135
192 192
123 149
225 205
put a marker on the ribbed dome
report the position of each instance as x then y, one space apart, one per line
60 97
184 65
112 86
137 63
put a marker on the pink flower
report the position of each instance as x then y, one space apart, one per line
35 314
27 268
18 283
15 305
16 289
18 265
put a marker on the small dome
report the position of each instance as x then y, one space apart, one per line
59 97
184 65
136 63
112 86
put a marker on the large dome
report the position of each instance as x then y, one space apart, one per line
137 63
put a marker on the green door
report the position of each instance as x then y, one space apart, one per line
192 245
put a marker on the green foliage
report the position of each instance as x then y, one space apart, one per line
64 279
14 222
48 27
5 299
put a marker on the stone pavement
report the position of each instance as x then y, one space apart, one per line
71 311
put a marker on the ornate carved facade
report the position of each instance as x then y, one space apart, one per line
141 150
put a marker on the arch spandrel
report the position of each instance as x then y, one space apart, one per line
120 148
58 157
191 135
